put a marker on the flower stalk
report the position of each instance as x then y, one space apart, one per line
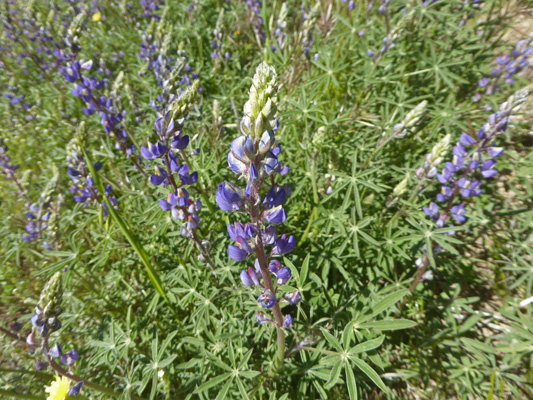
254 156
462 177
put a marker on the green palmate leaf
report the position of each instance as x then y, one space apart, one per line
350 381
304 270
369 371
385 303
213 382
332 340
388 325
367 346
334 375
222 394
242 389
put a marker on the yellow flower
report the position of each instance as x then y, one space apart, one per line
58 389
97 16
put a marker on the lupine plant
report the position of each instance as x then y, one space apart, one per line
82 186
462 177
371 163
255 156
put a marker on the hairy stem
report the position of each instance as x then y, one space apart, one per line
265 272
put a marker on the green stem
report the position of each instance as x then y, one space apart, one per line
39 374
132 238
313 179
319 350
280 354
308 228
16 395
314 211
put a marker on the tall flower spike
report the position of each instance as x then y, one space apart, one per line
506 68
254 156
82 185
173 170
464 174
310 18
281 26
167 156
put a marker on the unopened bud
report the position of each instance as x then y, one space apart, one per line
318 138
51 297
81 134
401 187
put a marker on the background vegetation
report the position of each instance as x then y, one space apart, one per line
140 302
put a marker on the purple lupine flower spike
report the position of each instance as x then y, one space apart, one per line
168 156
508 66
473 160
82 184
254 156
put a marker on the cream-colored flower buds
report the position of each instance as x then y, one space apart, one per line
51 297
184 103
401 187
260 109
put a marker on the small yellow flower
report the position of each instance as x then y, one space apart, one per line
97 17
237 32
58 389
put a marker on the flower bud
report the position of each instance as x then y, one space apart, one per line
259 126
415 114
401 187
319 136
30 339
51 297
268 110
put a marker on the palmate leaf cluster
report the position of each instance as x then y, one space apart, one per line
145 312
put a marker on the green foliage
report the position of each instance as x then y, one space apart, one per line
155 317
